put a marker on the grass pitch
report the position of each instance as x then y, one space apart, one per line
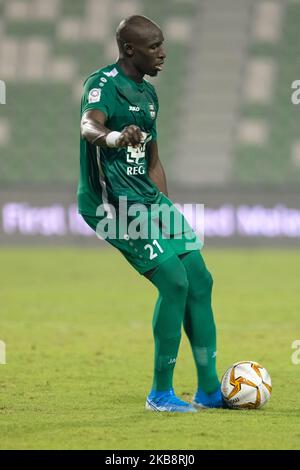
77 328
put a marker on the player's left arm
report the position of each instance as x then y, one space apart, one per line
155 169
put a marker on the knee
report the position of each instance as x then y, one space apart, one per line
207 284
209 281
202 287
179 285
171 279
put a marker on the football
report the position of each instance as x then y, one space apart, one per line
246 385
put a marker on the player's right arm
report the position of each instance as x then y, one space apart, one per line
93 129
98 107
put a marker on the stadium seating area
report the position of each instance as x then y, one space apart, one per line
271 152
268 144
226 114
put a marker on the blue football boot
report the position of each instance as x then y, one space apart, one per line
167 401
209 400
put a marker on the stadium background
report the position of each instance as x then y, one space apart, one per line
228 131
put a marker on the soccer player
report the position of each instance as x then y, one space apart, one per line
119 161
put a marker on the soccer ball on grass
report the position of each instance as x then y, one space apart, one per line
246 384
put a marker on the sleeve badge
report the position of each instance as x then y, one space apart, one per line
94 95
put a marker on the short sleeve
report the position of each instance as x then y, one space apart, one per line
98 93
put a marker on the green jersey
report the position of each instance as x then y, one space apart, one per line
108 173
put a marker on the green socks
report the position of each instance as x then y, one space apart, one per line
199 322
171 280
184 287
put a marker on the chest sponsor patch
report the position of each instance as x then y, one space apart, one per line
94 95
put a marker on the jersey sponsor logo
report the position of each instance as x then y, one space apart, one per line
152 110
94 95
135 170
135 154
134 108
136 157
112 73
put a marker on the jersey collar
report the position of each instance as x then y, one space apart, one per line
139 85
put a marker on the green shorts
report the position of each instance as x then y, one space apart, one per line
147 238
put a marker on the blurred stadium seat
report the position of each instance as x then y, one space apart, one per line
268 151
226 114
46 51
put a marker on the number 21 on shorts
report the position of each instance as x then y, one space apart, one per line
152 250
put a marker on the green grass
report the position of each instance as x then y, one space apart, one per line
77 327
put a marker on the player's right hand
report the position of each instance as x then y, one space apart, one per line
130 135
